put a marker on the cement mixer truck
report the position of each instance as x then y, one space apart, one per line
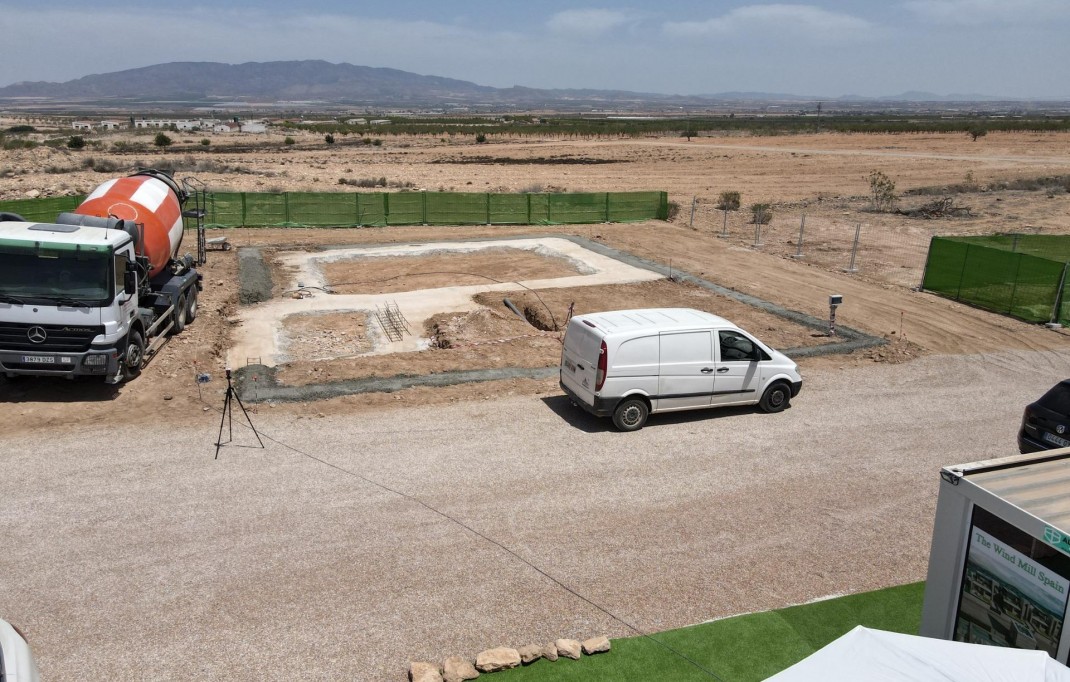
93 293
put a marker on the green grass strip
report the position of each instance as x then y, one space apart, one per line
745 648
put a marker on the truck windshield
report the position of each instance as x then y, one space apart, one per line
43 276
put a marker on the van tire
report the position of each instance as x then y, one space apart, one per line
630 414
776 398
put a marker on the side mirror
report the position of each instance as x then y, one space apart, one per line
130 282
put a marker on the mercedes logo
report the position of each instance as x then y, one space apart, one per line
1060 429
37 334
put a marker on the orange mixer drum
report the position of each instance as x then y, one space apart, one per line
151 204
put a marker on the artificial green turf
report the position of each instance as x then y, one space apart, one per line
746 648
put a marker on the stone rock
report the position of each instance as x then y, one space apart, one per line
569 648
596 645
32 193
424 672
458 669
549 652
502 658
530 653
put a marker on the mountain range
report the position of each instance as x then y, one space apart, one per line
324 82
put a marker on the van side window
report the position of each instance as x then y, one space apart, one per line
735 346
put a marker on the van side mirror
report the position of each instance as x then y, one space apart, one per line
130 281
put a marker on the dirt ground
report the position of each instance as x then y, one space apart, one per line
821 174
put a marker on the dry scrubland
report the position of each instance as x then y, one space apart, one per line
821 175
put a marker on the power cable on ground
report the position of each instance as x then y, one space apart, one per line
494 542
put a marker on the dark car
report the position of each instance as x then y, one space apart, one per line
1046 423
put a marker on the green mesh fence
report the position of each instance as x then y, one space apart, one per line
336 209
987 273
40 210
343 209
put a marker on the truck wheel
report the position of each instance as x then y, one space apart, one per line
133 356
630 414
776 398
181 315
191 305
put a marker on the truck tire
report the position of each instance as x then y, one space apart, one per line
181 315
191 305
776 397
133 355
630 414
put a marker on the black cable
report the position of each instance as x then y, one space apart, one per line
494 542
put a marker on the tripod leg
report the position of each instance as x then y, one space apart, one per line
255 433
222 420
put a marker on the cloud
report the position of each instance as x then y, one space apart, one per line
589 21
997 12
777 20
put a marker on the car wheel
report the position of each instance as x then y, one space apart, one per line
133 356
630 414
776 398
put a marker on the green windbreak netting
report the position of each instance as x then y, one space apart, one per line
40 210
1010 282
344 209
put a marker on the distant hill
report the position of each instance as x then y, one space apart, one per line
300 81
323 82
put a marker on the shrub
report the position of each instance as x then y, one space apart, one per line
205 142
21 129
481 138
328 138
377 142
761 213
882 189
728 201
976 132
674 210
76 142
162 140
101 165
289 141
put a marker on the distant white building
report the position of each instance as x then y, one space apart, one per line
380 121
253 127
356 121
82 125
226 127
110 125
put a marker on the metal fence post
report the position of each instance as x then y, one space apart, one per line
1014 286
757 233
854 249
724 229
691 223
802 227
1058 299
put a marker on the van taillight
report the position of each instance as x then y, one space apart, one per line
603 363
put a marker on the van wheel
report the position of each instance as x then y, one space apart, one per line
776 398
630 414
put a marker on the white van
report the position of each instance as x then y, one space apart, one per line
16 661
630 363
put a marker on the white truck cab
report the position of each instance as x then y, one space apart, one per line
628 364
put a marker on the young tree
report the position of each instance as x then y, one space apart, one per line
728 201
976 132
162 140
882 189
328 138
761 213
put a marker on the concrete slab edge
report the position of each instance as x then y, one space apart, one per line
266 388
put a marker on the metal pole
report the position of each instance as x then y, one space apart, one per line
724 229
854 249
757 233
1058 299
1014 242
802 228
691 223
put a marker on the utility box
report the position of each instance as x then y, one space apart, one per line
999 566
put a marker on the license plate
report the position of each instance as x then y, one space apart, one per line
1055 440
44 359
570 365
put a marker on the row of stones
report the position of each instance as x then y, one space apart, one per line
458 668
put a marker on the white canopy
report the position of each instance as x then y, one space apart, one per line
879 656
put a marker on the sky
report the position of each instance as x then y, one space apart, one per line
822 48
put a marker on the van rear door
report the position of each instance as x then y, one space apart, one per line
579 358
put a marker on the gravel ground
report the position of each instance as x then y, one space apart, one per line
134 556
